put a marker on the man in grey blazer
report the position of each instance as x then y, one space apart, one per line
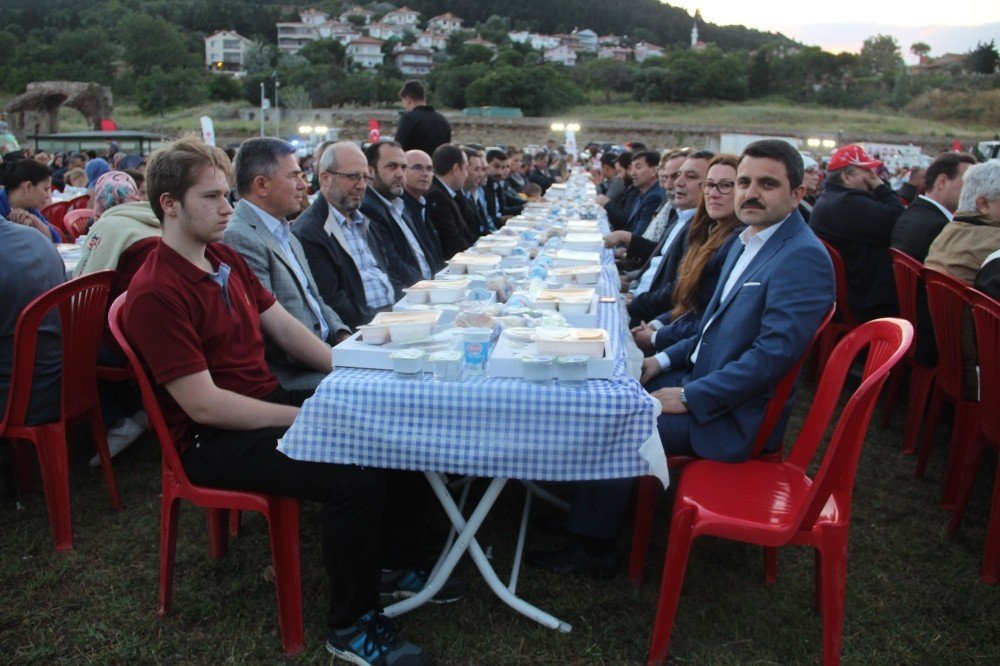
271 187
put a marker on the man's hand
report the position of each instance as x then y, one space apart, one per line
620 253
602 199
616 238
625 283
871 179
650 368
341 336
643 336
670 398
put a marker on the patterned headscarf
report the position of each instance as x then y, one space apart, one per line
113 188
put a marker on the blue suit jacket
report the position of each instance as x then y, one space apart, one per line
644 209
751 339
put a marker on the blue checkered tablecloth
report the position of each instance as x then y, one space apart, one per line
492 427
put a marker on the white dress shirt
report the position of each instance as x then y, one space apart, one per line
646 281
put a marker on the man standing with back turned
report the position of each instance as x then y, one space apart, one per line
421 127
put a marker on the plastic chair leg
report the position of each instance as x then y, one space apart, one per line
921 382
234 522
933 416
674 566
892 394
170 510
989 572
283 529
218 539
770 565
970 465
101 444
818 580
645 507
833 564
53 461
963 433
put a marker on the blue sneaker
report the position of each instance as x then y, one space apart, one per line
405 583
374 641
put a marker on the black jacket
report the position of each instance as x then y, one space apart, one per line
988 280
402 262
446 216
424 129
337 276
660 296
859 224
917 228
418 214
619 209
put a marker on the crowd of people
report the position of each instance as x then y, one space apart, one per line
239 281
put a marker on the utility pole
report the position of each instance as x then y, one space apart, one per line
277 106
262 108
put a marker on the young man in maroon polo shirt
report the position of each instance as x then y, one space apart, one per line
196 314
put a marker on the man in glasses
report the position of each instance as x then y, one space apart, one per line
350 267
416 182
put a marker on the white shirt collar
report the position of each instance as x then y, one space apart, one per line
272 223
450 191
747 236
947 213
335 218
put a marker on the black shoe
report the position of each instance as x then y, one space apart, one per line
405 583
374 641
573 560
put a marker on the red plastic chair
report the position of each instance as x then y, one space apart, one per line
282 513
777 504
846 321
81 305
907 271
986 312
649 488
75 223
55 213
946 296
80 202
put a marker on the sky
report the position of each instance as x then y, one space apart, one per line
839 26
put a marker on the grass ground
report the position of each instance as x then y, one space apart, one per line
913 595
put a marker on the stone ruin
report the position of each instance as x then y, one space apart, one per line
36 111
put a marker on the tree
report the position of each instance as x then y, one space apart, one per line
151 42
537 89
920 49
159 91
607 75
760 74
260 57
880 56
324 52
983 59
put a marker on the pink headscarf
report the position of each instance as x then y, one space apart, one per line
111 189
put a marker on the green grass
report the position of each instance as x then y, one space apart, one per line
913 595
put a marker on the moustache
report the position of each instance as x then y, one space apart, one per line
752 204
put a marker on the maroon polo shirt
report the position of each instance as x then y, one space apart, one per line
180 322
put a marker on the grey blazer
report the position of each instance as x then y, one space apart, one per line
248 235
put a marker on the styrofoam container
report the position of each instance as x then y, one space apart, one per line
574 306
470 262
577 274
415 296
408 326
584 242
577 258
591 342
374 335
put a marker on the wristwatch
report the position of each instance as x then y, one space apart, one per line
684 400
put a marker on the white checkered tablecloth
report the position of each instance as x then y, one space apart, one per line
491 427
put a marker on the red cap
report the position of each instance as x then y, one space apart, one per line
852 156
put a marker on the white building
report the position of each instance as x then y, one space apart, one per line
293 36
538 41
365 52
344 33
432 39
357 11
562 54
413 61
587 39
313 16
225 50
404 16
645 50
446 23
479 41
386 31
619 53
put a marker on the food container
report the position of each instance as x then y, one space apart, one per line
590 342
566 257
578 274
416 296
574 306
408 363
583 241
374 335
468 262
548 298
572 370
476 349
408 326
447 365
538 368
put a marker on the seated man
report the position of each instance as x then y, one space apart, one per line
501 203
472 206
349 265
540 173
444 207
856 214
649 193
197 316
271 187
384 207
988 278
776 286
416 182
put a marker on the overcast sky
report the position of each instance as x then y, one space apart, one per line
953 27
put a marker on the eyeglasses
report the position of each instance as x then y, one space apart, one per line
353 177
723 186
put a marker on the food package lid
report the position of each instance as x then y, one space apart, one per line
565 295
442 284
419 317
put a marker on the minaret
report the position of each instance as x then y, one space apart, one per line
694 30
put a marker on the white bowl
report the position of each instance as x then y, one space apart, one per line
449 294
408 326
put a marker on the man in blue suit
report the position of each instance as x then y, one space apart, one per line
776 286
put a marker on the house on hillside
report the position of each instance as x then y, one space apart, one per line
432 39
313 16
413 60
446 23
562 54
404 16
225 51
386 31
645 50
365 52
357 10
479 41
587 40
619 53
344 33
293 36
940 64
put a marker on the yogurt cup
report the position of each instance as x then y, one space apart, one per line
537 368
408 363
476 349
572 370
447 365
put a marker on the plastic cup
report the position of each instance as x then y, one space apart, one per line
476 349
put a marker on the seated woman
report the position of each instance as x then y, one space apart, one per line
26 189
714 229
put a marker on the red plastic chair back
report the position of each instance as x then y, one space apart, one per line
55 213
845 313
887 341
81 304
986 312
906 270
79 202
946 296
75 222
